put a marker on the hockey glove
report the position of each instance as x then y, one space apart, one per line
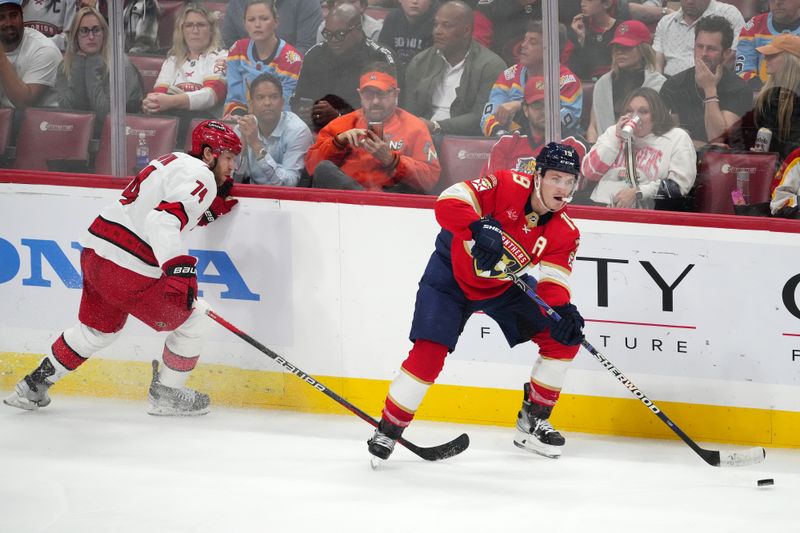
488 247
221 205
568 330
181 286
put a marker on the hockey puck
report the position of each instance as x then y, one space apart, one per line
766 482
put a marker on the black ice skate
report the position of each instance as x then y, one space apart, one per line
381 445
31 392
534 432
169 401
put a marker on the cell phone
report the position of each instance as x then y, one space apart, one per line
376 128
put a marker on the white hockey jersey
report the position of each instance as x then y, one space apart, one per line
202 79
142 230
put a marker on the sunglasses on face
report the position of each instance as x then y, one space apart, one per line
338 35
94 30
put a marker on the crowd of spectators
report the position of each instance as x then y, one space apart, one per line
359 94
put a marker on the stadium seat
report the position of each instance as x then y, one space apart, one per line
149 67
462 158
6 124
47 134
161 133
716 178
187 146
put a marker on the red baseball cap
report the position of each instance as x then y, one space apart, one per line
534 89
631 33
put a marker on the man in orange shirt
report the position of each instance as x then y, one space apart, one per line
378 147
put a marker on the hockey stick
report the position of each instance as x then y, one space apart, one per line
434 453
746 457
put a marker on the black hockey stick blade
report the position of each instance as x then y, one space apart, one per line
434 453
442 451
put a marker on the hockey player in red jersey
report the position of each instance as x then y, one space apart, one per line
521 220
134 263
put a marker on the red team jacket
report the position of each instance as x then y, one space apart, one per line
550 241
518 152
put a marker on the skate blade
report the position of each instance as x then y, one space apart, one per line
169 411
20 403
375 462
529 444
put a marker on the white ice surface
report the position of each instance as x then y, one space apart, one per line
90 465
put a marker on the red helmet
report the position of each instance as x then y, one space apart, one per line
217 136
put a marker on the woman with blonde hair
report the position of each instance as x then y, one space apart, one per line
82 82
777 107
632 66
192 79
664 158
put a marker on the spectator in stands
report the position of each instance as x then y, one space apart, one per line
140 20
777 106
370 26
448 84
28 60
592 31
264 51
328 84
502 114
785 195
665 160
299 22
51 17
350 154
783 17
518 152
674 39
275 141
632 66
408 30
509 21
708 99
648 11
83 79
192 81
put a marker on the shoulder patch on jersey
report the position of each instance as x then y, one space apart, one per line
484 183
526 165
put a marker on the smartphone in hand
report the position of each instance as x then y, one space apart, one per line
376 128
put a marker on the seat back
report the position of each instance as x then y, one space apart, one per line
48 134
716 178
149 67
462 158
161 133
6 124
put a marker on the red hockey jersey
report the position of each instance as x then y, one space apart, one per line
550 241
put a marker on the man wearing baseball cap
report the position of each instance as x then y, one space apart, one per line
378 147
28 60
518 152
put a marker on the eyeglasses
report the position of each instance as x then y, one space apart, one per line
195 26
94 30
329 35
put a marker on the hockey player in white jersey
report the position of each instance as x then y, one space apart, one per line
134 263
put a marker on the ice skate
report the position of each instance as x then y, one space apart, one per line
381 445
169 401
534 432
31 392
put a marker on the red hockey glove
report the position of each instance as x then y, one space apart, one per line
221 205
181 286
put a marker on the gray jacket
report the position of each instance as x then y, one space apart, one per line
481 69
